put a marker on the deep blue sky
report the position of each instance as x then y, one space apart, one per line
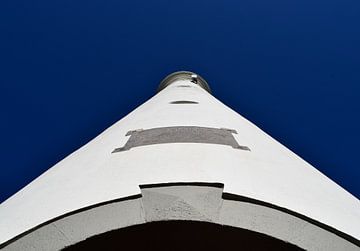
69 69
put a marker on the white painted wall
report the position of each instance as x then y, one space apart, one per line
269 172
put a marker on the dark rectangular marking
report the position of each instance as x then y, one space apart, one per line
181 134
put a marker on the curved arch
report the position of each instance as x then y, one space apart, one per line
195 202
182 235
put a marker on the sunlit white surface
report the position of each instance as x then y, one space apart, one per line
269 172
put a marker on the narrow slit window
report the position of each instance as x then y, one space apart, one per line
181 102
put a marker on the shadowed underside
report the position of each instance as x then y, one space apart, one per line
182 216
182 235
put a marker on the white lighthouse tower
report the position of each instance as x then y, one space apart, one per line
181 172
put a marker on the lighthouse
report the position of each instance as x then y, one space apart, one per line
181 172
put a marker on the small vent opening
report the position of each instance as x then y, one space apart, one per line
180 102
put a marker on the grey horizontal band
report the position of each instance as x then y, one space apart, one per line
181 134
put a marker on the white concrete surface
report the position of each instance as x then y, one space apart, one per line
180 202
79 226
269 172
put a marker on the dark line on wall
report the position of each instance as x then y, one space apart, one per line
132 197
181 102
234 197
199 184
183 86
225 196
